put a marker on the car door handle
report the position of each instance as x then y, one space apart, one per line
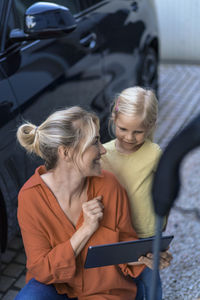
89 41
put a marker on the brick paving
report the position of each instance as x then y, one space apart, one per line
12 269
179 103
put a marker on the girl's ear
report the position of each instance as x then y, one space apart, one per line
149 133
113 117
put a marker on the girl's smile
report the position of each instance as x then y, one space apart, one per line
130 135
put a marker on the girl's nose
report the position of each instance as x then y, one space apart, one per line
130 136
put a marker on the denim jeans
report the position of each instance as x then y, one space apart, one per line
35 290
143 282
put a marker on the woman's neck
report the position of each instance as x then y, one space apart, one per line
66 184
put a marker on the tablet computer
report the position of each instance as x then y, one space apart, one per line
122 252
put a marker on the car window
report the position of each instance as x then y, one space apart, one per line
84 4
13 21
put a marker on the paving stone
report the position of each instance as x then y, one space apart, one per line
5 283
3 266
10 295
20 283
8 256
16 243
13 270
21 258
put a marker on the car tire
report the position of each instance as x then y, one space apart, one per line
148 70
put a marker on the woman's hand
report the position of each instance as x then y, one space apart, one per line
92 213
165 259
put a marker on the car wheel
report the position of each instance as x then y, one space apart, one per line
148 70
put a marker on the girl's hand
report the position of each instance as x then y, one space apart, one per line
92 213
165 259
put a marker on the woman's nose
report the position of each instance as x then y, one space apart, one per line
102 149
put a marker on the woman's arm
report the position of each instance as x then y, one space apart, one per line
92 214
47 263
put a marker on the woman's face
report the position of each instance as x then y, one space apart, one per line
89 163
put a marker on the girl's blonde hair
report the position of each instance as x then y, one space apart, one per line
136 102
72 127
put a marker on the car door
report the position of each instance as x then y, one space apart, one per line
38 77
8 189
55 73
130 45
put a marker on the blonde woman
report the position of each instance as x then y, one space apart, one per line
132 157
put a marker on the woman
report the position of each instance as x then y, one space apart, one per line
68 205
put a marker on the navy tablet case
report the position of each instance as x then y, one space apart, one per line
122 252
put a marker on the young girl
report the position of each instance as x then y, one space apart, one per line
133 157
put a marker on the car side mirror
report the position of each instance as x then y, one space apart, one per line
44 20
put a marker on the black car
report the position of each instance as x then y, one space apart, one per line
61 53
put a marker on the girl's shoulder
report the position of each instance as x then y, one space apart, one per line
110 145
151 146
149 152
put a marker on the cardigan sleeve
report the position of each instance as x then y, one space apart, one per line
47 264
126 231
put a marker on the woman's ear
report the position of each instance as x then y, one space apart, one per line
63 153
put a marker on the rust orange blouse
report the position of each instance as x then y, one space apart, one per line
46 233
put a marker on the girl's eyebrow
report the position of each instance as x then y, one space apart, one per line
119 125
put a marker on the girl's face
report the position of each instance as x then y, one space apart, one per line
130 135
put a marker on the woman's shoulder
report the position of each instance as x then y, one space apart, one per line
106 180
109 187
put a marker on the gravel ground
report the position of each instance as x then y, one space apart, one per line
179 103
182 278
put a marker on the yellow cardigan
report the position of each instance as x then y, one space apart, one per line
135 172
